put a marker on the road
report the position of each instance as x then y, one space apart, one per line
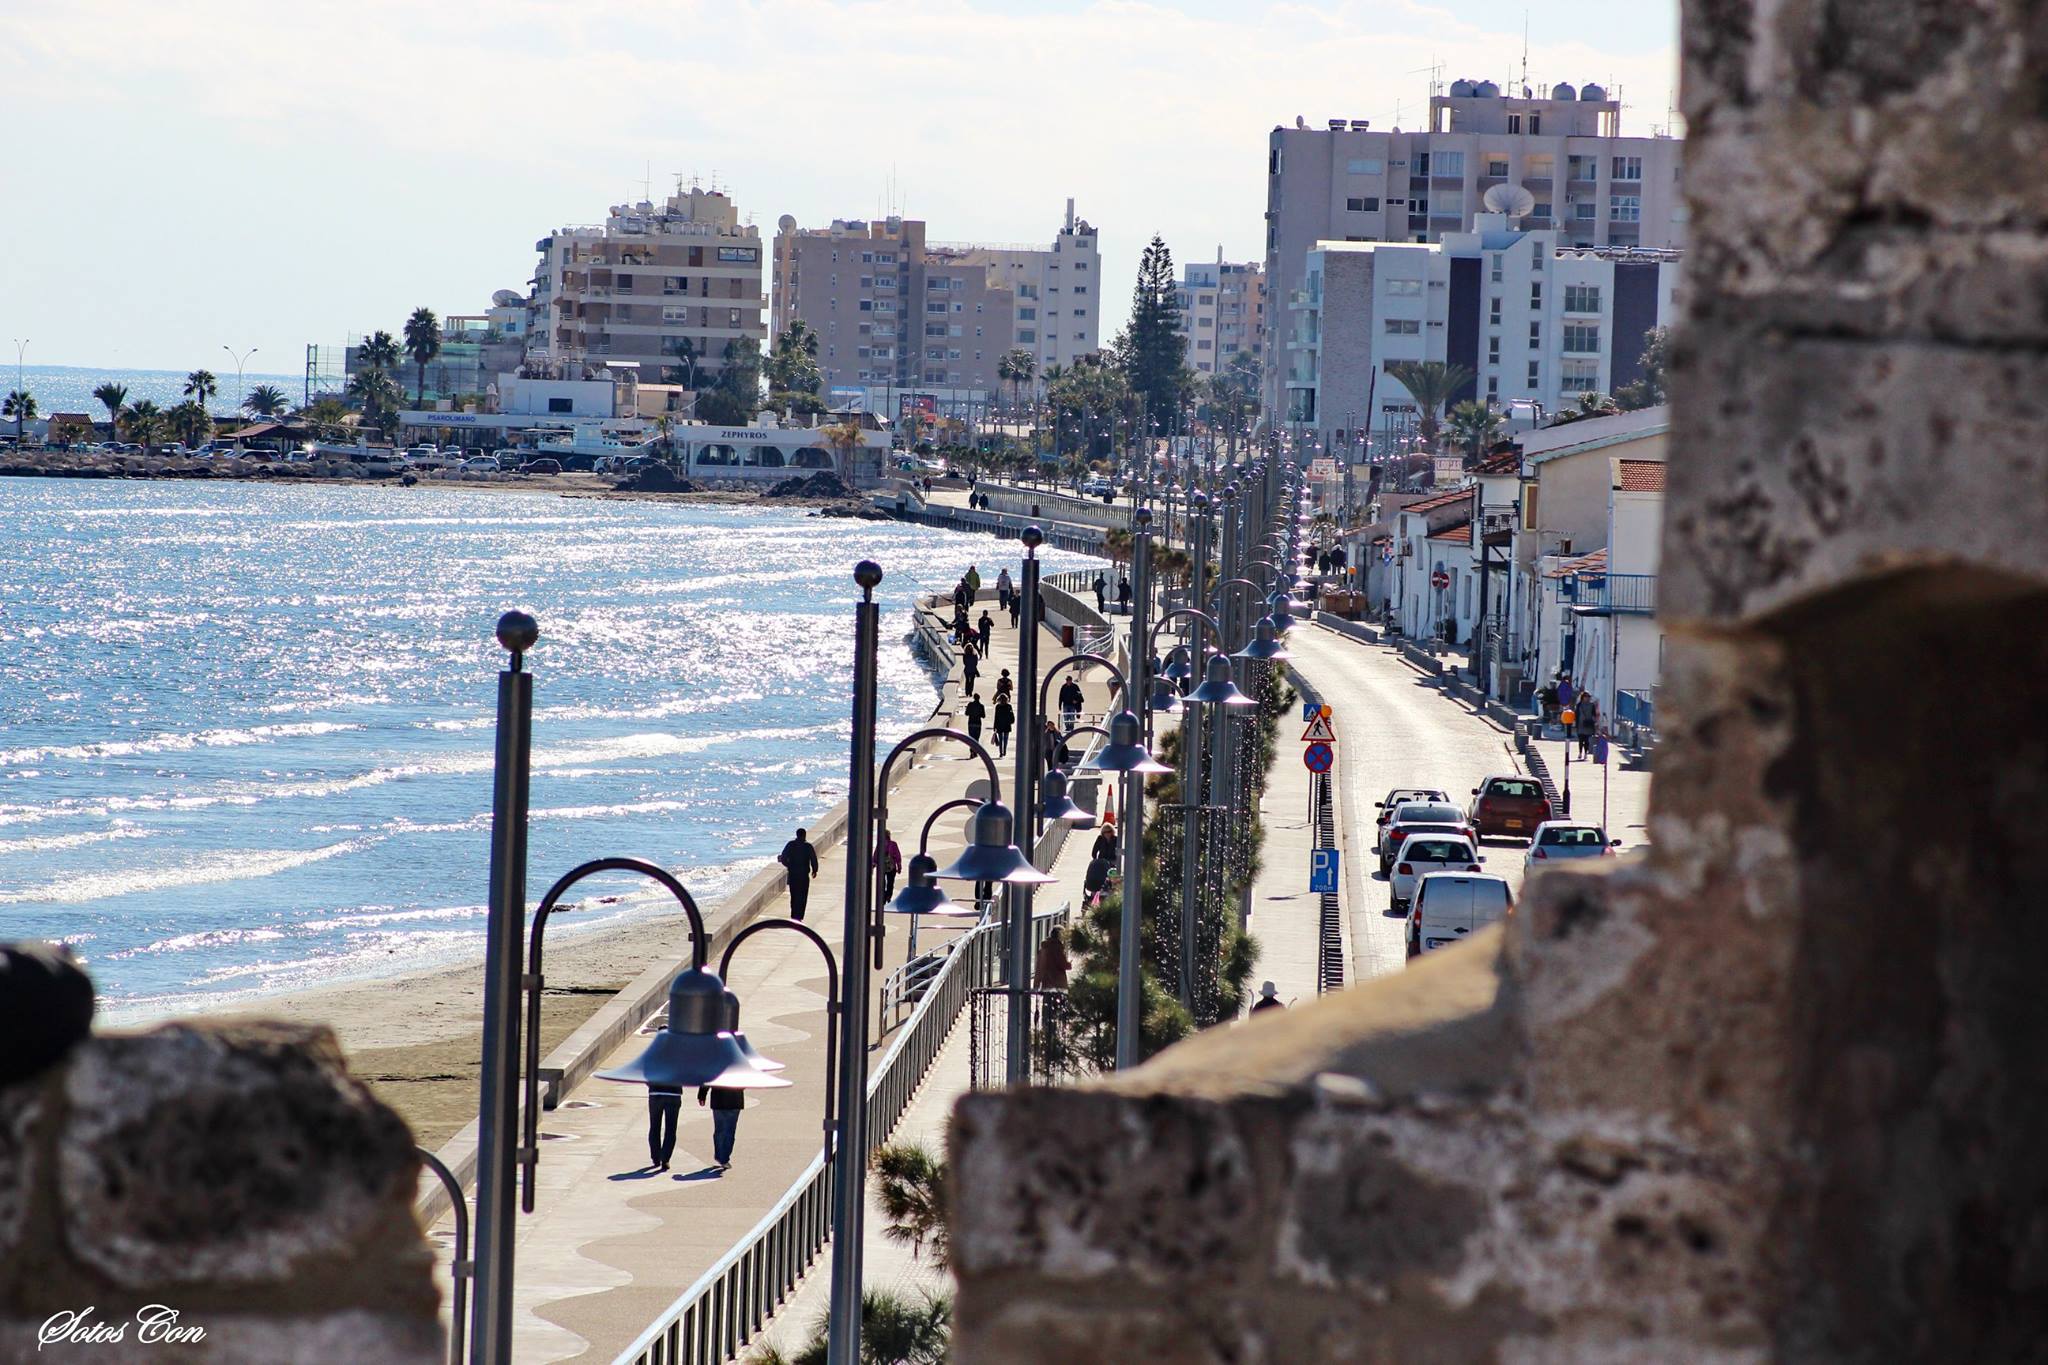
1395 728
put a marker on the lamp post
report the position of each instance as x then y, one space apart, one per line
239 360
20 350
1017 899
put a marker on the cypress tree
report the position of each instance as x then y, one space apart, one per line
1150 352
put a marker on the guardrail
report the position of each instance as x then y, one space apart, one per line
721 1313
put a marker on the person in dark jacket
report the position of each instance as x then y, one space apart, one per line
1095 880
1269 999
984 627
1105 843
725 1120
664 1103
799 863
975 713
1005 721
1101 586
1123 595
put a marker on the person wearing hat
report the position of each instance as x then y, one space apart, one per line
1269 999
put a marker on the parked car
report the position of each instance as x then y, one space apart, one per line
1419 817
1453 905
1422 854
1395 798
1510 805
483 464
541 466
1558 841
507 457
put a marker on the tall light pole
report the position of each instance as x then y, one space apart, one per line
1136 697
1017 897
239 361
20 349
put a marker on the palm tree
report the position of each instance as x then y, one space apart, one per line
1017 367
1432 384
201 386
190 422
844 438
1475 427
265 400
422 343
378 395
115 397
379 351
911 1184
326 414
144 423
21 406
894 1330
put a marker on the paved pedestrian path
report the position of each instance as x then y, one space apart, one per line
1286 918
612 1243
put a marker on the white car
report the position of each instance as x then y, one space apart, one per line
1557 841
1422 854
1453 905
483 464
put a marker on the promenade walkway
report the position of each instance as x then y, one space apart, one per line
611 1243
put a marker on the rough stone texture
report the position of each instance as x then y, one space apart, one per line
1775 1091
234 1172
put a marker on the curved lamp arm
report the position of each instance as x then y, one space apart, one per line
877 927
1193 613
529 1151
462 1268
1084 730
924 840
833 1008
1078 661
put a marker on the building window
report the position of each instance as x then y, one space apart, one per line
1027 335
1080 289
1493 350
1539 166
1204 345
1404 289
1582 298
1493 315
561 405
739 253
1357 166
1492 387
1581 167
1514 124
1535 293
1535 334
1497 267
1447 163
1585 210
1403 327
1625 208
1628 168
733 317
1582 337
1496 165
1535 374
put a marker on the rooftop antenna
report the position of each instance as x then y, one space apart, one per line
647 181
1525 49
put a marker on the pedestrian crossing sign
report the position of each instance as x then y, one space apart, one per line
1319 730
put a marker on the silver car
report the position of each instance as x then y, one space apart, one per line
1557 841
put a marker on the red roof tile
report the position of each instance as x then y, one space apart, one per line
1461 534
1641 476
1436 500
1594 563
1507 462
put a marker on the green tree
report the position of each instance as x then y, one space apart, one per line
20 404
379 351
1433 385
201 387
1648 391
422 343
1085 399
144 424
1016 368
377 396
910 1182
894 1330
113 397
1475 427
1151 351
190 422
326 414
684 371
735 396
265 400
795 384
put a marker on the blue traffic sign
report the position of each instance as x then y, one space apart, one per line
1317 757
1309 711
1322 871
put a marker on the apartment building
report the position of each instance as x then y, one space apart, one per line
1537 319
631 289
1222 311
903 320
1560 162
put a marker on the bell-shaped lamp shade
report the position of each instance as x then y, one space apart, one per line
1164 701
923 896
732 1026
1219 690
694 1048
1262 645
1126 752
1055 804
1177 668
992 854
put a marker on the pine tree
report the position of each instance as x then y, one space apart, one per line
1150 351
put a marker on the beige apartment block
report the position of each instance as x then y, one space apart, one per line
1222 312
636 286
903 320
1563 150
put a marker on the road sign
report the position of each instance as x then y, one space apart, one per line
1317 758
1309 711
1322 871
1439 580
1319 730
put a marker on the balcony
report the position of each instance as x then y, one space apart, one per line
1614 594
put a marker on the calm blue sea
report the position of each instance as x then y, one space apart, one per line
246 732
68 388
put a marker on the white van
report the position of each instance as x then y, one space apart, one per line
1449 906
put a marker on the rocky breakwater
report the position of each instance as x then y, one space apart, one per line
224 1188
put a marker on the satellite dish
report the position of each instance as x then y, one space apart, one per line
1513 200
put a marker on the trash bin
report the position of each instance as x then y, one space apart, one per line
1067 636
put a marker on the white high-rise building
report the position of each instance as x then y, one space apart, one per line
1559 161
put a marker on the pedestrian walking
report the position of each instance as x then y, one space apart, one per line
1586 723
1546 699
961 597
973 581
888 860
1269 999
1005 721
1095 881
1003 684
1052 750
1049 971
1101 586
1123 594
1105 842
1016 609
970 664
1005 590
975 714
799 864
1565 691
1070 703
984 628
664 1104
726 1104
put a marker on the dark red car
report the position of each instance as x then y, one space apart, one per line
1510 805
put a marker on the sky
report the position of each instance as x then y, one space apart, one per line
250 173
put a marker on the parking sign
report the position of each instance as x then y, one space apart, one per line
1322 871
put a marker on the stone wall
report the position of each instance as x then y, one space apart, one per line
1772 1092
233 1174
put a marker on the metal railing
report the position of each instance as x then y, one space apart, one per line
723 1311
1624 594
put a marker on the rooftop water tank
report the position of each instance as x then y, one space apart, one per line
1461 90
1592 92
1563 91
1486 90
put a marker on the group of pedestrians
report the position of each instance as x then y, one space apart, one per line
1558 699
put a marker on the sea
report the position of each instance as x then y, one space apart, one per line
246 732
68 388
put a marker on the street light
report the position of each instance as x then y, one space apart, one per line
239 361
